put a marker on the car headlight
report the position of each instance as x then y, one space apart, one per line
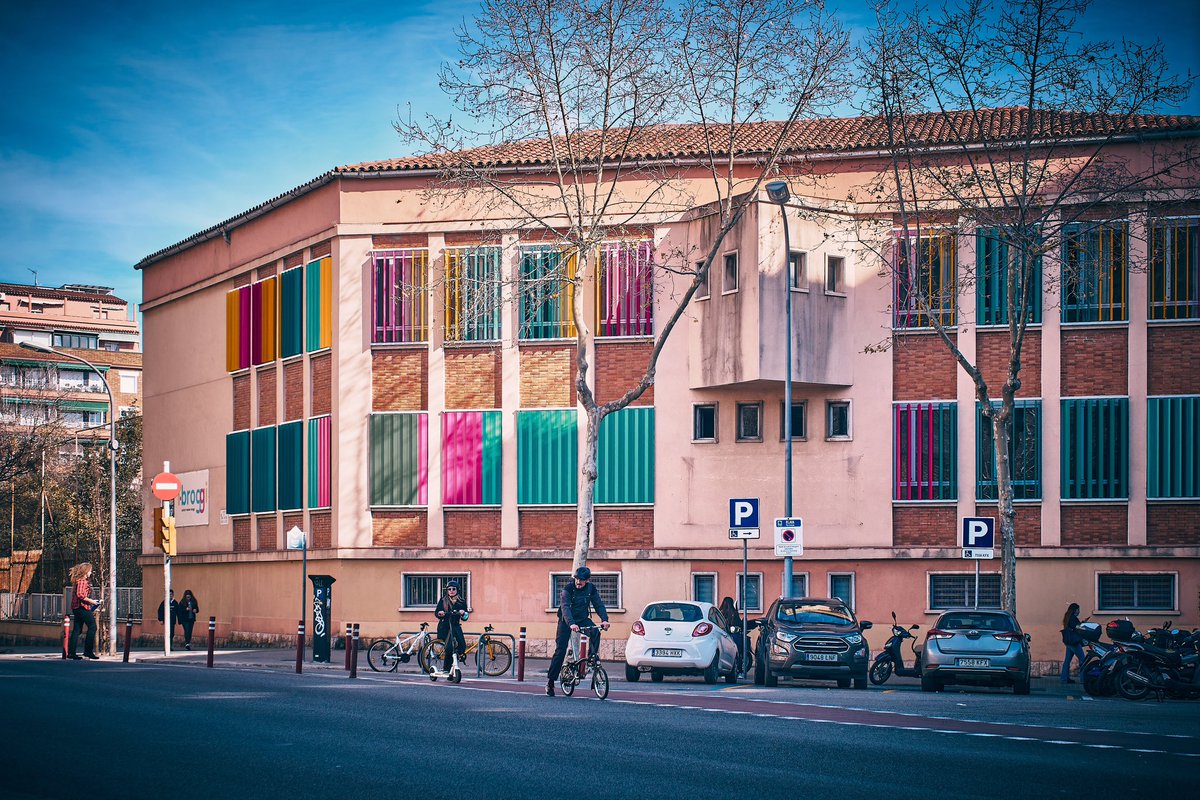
860 653
854 638
784 636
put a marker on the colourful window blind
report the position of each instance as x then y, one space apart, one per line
318 290
1095 448
924 280
547 293
237 329
291 313
291 465
1175 268
996 253
1173 444
264 323
399 291
1024 452
926 451
320 462
625 460
400 459
473 283
1094 264
625 289
237 472
262 469
471 465
547 457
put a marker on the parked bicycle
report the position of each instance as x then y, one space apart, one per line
384 655
492 656
576 671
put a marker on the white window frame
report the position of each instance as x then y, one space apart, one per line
853 601
716 580
705 286
132 377
716 407
930 608
463 591
1174 611
617 608
737 272
839 282
798 282
738 422
783 410
737 598
849 435
804 576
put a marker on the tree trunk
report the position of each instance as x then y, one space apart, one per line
586 509
1008 536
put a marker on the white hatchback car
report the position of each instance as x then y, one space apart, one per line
681 637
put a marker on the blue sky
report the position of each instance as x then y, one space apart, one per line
128 126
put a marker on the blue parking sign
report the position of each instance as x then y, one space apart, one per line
743 512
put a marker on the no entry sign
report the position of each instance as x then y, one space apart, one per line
165 486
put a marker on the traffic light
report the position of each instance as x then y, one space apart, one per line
158 527
164 532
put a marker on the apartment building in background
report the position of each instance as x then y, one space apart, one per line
334 360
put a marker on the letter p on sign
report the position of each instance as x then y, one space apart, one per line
979 532
743 512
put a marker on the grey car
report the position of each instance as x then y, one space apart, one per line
811 638
973 646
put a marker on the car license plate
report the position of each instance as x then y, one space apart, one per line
822 656
663 652
972 662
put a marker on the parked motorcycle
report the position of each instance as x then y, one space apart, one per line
1147 668
891 659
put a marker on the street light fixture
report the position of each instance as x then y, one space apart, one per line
778 192
113 446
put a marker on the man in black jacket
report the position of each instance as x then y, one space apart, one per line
574 604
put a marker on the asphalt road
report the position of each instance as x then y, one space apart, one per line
178 730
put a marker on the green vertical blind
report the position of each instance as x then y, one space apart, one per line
1095 448
291 313
399 459
1173 447
262 469
1024 452
237 472
626 457
996 252
291 465
547 457
1175 268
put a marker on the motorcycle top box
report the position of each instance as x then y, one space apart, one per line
1121 630
1089 631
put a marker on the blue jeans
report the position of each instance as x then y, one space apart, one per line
1073 650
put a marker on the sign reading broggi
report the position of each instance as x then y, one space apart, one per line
191 507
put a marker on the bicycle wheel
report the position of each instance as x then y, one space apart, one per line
423 655
493 657
378 656
568 680
600 681
432 654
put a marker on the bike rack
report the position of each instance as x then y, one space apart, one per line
512 647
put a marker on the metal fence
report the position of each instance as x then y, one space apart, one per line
36 607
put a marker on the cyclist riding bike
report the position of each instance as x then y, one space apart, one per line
451 611
574 604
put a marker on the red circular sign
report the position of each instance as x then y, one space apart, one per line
788 536
166 486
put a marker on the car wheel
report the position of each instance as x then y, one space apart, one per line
1021 685
711 672
759 677
860 683
768 678
930 684
843 683
632 674
656 675
731 676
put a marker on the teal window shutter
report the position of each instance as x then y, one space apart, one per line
1095 449
399 459
1024 452
237 472
291 313
1173 445
262 469
291 466
547 457
992 253
625 460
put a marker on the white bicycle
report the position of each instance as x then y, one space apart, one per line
385 655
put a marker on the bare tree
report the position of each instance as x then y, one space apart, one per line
595 83
1000 118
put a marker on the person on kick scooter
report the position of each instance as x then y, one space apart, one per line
451 612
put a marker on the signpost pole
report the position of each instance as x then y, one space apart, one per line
304 577
977 583
745 612
167 626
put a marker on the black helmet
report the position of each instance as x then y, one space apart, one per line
452 585
583 574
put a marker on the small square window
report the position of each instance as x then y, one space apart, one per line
837 419
841 586
752 584
731 273
799 421
749 422
704 422
704 587
798 270
835 277
702 290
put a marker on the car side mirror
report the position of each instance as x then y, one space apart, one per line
1028 638
865 624
914 627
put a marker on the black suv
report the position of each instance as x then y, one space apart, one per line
809 637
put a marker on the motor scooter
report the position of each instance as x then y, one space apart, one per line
891 659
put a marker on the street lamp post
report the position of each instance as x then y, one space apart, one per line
778 192
112 488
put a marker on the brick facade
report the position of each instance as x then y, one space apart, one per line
267 529
399 528
548 528
1173 524
1172 360
295 520
624 528
922 368
396 241
473 377
321 249
399 380
548 376
1095 524
294 260
925 526
293 390
266 397
619 367
321 525
472 528
993 356
322 384
1095 362
241 535
241 402
1028 523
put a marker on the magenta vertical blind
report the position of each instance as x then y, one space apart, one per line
471 446
399 293
320 462
625 289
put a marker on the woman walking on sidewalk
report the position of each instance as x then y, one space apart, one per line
82 609
188 609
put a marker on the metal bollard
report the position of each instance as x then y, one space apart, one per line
300 647
521 656
66 633
354 655
212 639
128 638
349 631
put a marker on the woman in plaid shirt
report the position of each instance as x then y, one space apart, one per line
82 609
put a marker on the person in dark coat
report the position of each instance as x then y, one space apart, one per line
575 602
174 615
733 623
451 610
187 610
1072 641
